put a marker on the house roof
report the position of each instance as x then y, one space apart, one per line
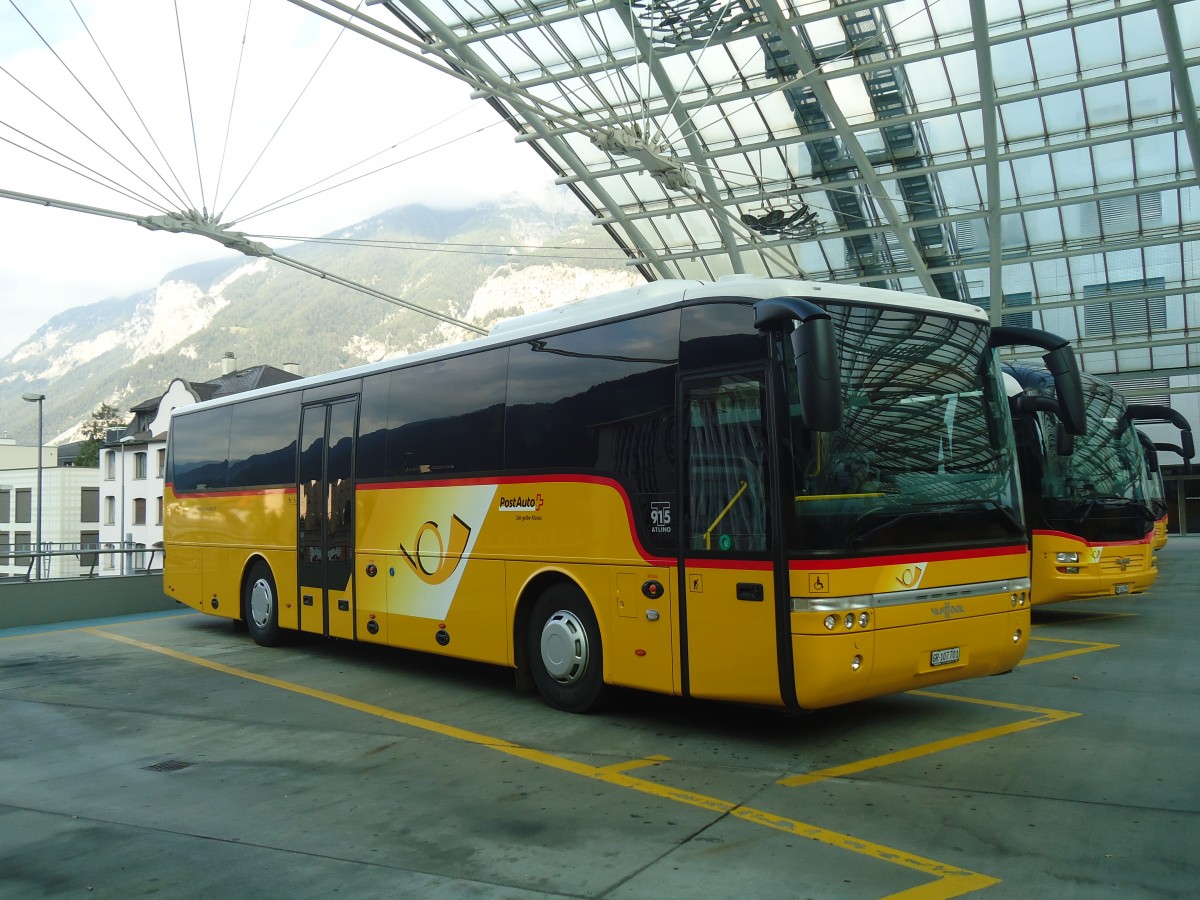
221 386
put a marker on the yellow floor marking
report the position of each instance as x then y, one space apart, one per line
634 764
1081 648
1041 717
951 880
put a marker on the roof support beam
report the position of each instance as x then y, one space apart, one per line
1180 78
991 143
815 79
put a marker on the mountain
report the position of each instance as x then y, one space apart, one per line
477 265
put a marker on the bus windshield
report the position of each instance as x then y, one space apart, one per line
1106 467
925 454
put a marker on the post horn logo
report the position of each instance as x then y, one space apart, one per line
432 559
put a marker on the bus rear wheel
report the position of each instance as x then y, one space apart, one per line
565 655
260 606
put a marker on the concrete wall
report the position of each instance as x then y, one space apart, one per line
64 600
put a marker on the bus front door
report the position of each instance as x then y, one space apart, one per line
326 511
728 565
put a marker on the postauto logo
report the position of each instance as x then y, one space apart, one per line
521 504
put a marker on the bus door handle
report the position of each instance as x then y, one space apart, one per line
750 591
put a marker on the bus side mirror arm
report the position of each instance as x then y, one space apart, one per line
1147 411
1064 440
1060 360
814 346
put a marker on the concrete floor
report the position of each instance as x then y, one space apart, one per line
167 754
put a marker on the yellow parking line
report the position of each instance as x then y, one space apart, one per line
634 764
1042 717
951 880
1081 648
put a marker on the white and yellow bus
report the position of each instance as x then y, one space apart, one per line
1158 491
772 492
1089 500
1186 448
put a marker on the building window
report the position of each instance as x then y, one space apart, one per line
22 543
24 505
159 512
162 462
5 499
5 559
1144 390
139 511
1141 315
88 541
1011 301
89 504
139 465
110 510
110 465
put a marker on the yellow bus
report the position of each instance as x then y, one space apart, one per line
1158 491
766 491
1088 499
1186 448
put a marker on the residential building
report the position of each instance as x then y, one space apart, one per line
133 464
69 515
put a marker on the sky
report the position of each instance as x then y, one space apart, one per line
235 105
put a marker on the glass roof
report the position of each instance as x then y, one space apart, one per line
1033 157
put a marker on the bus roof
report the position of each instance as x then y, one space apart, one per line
641 299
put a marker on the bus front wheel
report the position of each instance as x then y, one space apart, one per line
565 656
260 606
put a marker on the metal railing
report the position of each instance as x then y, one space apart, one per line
39 563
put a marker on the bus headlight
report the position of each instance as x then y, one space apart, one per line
849 620
1066 557
1017 636
855 663
831 622
863 619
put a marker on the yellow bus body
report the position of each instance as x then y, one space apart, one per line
1160 533
1102 570
444 568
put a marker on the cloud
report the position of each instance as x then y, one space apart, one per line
220 113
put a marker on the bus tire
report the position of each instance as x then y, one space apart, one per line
564 651
260 606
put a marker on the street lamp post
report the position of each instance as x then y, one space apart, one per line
129 438
38 398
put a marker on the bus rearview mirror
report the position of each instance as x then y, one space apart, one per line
818 374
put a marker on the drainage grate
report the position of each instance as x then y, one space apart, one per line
168 765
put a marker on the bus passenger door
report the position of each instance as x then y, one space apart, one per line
728 581
326 508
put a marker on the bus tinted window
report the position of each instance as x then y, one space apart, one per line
201 449
372 426
447 417
601 398
720 334
262 441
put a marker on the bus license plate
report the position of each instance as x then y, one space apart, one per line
1120 588
944 657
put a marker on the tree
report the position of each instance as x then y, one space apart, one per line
105 417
